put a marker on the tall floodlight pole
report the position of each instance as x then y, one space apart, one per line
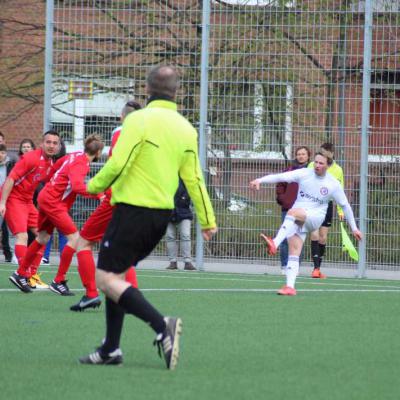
362 248
205 33
48 69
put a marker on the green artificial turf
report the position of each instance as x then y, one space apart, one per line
337 339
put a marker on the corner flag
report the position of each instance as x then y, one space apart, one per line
348 244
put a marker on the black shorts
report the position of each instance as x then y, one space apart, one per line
131 235
329 215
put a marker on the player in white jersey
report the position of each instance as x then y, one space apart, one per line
316 189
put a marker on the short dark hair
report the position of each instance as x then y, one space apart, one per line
22 142
163 81
130 106
3 147
93 144
133 104
51 132
2 134
303 148
328 147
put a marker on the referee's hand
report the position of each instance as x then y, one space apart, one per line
209 233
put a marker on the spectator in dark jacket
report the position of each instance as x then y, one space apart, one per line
286 194
181 219
5 167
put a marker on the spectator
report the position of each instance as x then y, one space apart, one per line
181 219
25 146
5 237
286 194
5 167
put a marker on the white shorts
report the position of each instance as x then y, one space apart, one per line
314 220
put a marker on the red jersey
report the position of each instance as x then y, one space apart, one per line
31 169
68 180
115 135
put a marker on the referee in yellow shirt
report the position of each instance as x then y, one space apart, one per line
156 147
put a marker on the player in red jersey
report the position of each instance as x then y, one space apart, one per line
54 201
93 231
16 204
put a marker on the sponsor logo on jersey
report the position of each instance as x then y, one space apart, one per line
323 191
311 197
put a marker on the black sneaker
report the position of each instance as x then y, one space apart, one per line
61 288
168 341
98 358
189 267
20 282
86 302
172 265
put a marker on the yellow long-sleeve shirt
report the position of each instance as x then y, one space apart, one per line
156 145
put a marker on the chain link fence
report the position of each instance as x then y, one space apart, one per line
280 74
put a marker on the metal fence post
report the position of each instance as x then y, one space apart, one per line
364 137
205 32
48 70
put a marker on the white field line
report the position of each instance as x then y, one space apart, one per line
194 276
280 281
148 271
208 290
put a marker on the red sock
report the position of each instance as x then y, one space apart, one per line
20 250
38 259
29 259
65 262
87 272
130 276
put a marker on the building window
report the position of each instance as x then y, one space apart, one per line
103 126
66 131
384 120
251 120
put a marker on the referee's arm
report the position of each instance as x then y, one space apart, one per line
192 176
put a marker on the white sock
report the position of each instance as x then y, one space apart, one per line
287 229
292 270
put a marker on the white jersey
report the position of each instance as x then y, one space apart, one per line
314 192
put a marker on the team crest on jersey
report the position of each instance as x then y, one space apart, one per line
323 191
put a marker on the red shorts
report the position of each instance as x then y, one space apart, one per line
51 215
20 215
96 225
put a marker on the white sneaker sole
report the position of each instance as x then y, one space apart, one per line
175 347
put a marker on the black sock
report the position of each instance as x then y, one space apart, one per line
114 321
321 252
133 302
315 253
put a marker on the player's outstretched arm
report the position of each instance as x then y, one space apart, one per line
288 176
